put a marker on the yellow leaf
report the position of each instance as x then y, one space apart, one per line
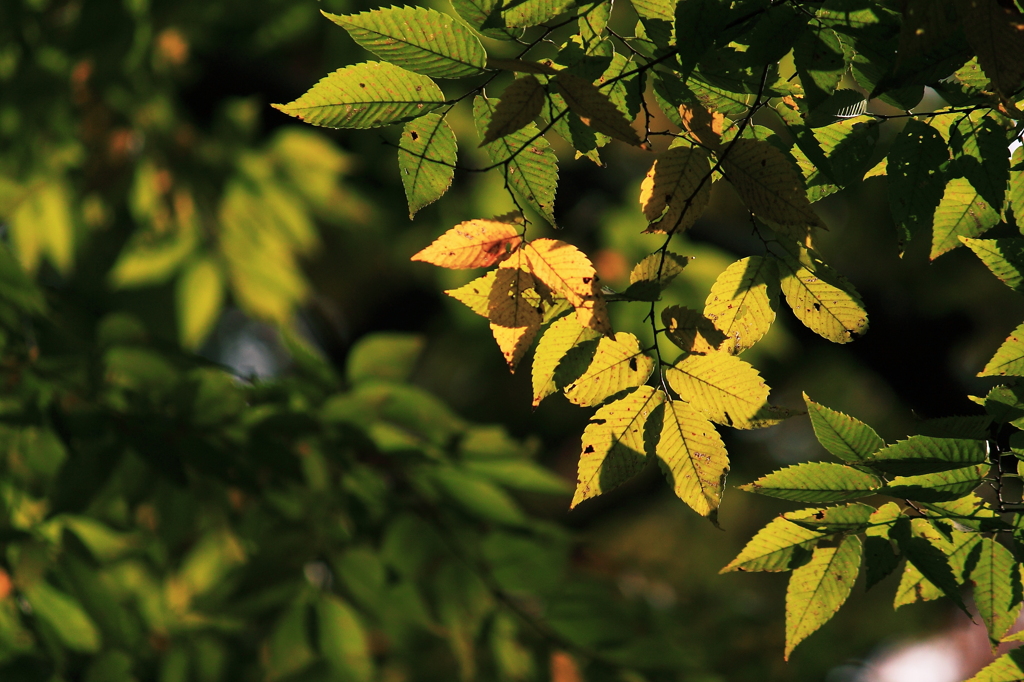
676 190
476 294
702 124
473 244
594 108
519 104
693 456
740 302
513 313
562 335
595 370
726 389
570 274
613 443
41 225
199 298
821 298
767 182
691 331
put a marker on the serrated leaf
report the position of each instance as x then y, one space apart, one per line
816 482
767 182
930 562
199 298
1004 257
924 455
740 302
818 57
916 180
1007 668
569 273
969 511
534 12
476 295
594 370
485 17
1009 358
962 212
849 439
848 145
880 560
994 31
529 165
520 103
367 95
704 125
853 517
418 39
997 588
942 486
779 546
690 330
473 244
818 588
651 275
1006 405
613 443
512 311
979 151
564 334
676 190
426 160
594 108
821 298
692 456
725 388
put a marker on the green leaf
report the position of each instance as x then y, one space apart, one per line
596 369
930 560
62 613
853 517
594 108
146 261
979 152
557 340
1009 358
970 511
821 298
1004 257
692 456
342 639
520 103
613 443
740 302
42 225
1006 405
725 388
962 212
1007 668
528 163
780 546
849 439
421 40
477 496
943 486
390 356
199 299
519 474
818 57
816 482
997 588
485 17
696 24
526 13
818 588
653 274
916 179
925 455
426 160
849 145
367 95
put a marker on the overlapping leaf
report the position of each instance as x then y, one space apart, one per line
849 439
651 275
676 190
426 160
690 330
994 31
693 457
916 180
476 295
367 95
847 518
562 335
924 455
776 547
726 389
818 588
816 482
473 244
979 147
997 587
594 108
934 564
740 302
942 486
767 182
521 102
821 298
512 311
418 39
1009 358
603 367
569 273
962 212
533 12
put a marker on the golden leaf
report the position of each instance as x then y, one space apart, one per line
726 389
515 319
821 298
594 370
702 124
693 456
740 302
690 330
473 244
676 190
476 294
570 274
560 337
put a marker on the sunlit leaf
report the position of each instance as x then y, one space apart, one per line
514 317
41 226
426 160
1004 257
651 275
821 298
569 273
473 244
520 103
740 302
1007 668
853 517
979 150
962 212
997 587
1009 358
690 330
603 367
924 454
847 438
594 108
818 588
534 12
693 457
816 482
726 389
199 299
476 295
564 334
676 190
941 486
775 547
934 565
768 183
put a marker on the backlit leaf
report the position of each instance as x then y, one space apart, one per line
521 102
69 621
821 298
343 641
473 244
485 17
816 482
534 12
613 443
818 588
676 190
1009 358
512 311
690 330
564 334
367 95
962 212
740 302
1007 668
603 367
924 454
693 457
853 517
942 486
916 181
979 150
476 294
1004 257
997 588
569 273
418 39
426 160
849 439
994 31
704 125
767 182
934 564
41 226
775 547
199 299
651 275
594 108
726 389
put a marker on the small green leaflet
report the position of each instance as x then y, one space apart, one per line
421 40
850 518
821 298
692 456
521 102
613 443
1007 668
942 486
849 439
1009 359
997 587
530 165
426 160
740 302
776 547
726 389
916 179
970 511
367 95
925 455
1004 257
594 370
816 482
1006 404
962 212
560 337
818 588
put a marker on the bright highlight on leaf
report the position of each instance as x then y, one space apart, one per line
676 190
997 588
473 244
849 439
569 273
561 336
740 302
651 275
1009 359
726 389
816 482
426 160
1004 257
962 212
821 298
603 367
925 455
512 311
818 588
693 457
776 547
521 102
594 108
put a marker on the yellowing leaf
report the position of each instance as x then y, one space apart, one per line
726 389
740 302
818 588
41 225
602 367
653 274
767 182
521 102
821 298
426 160
1009 359
476 294
199 298
562 335
693 457
514 317
594 108
472 244
613 443
676 190
690 330
570 274
962 212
